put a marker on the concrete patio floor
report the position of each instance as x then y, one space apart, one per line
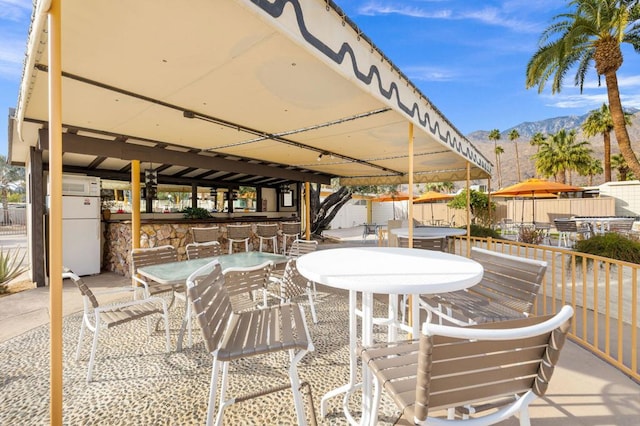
583 391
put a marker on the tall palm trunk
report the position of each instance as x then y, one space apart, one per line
619 125
515 144
606 136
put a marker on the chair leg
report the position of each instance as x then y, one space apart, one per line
223 390
212 391
80 338
295 385
246 245
312 306
375 403
166 324
94 346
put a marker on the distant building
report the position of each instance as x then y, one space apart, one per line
626 194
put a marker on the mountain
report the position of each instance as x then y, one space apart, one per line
546 127
549 126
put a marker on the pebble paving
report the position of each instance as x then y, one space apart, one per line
137 383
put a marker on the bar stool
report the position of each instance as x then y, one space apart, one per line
268 232
204 235
289 229
238 234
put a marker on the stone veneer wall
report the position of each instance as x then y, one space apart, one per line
117 243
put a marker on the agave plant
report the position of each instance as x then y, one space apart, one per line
10 266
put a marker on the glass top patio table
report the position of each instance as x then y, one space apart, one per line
178 272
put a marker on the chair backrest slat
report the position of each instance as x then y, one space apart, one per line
142 257
467 370
242 282
203 235
238 232
211 304
301 247
200 250
267 230
293 283
291 228
435 244
509 280
565 225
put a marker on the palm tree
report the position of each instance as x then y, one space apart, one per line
592 31
591 169
499 151
536 141
11 177
440 186
494 136
513 135
600 122
620 164
560 154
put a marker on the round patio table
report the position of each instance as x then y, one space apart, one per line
429 232
383 270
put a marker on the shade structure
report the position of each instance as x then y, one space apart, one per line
535 188
279 90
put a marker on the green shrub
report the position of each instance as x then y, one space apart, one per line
482 232
611 245
195 213
10 267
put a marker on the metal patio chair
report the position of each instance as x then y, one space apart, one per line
141 257
570 231
469 370
204 235
291 284
247 286
508 290
200 250
268 232
290 230
238 234
98 316
231 336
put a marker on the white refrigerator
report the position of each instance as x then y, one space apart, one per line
81 234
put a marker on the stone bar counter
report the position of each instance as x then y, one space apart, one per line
175 231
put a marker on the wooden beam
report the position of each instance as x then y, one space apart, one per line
126 151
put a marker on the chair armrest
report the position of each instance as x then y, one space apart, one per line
141 281
111 306
115 290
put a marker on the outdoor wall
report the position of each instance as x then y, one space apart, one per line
626 195
117 240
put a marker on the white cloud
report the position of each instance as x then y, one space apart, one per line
15 10
493 16
375 8
428 73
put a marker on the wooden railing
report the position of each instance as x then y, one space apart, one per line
602 291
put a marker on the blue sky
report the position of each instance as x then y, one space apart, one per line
468 57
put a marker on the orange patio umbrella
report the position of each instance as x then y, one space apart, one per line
432 197
535 188
393 197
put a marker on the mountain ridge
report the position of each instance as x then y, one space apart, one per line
480 139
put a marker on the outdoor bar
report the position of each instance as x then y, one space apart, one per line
287 95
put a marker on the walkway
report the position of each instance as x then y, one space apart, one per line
136 380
